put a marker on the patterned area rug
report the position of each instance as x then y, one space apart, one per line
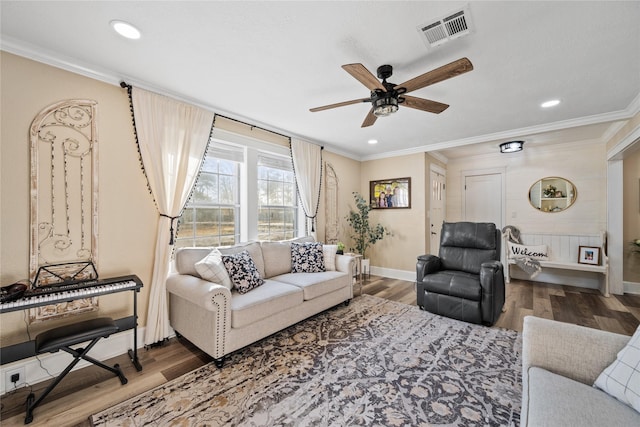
374 362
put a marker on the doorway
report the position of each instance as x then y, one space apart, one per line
436 207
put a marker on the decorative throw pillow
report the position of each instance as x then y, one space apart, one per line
329 252
212 269
621 379
242 271
307 258
528 251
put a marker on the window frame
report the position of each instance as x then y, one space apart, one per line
252 149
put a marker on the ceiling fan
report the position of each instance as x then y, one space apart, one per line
385 97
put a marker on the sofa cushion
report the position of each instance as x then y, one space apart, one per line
277 258
560 401
621 379
242 271
212 269
254 250
329 252
307 258
315 284
262 302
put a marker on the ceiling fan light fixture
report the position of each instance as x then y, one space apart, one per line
511 146
385 105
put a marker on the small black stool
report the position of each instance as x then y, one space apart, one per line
62 338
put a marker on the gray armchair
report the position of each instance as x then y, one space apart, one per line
466 280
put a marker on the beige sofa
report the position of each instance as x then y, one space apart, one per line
560 363
220 321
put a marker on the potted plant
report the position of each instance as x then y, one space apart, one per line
364 234
340 250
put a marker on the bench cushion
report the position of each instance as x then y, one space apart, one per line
76 333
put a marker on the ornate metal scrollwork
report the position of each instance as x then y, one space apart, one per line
64 192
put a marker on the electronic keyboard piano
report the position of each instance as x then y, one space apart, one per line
47 295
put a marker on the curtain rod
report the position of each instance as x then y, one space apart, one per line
127 86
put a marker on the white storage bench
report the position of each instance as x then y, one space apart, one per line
563 252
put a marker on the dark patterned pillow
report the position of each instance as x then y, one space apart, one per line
307 258
242 271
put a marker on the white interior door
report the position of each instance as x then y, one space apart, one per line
483 198
436 209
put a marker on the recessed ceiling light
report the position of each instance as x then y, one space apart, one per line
550 103
373 141
125 29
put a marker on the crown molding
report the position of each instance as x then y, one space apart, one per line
75 66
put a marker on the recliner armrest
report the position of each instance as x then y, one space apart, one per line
427 264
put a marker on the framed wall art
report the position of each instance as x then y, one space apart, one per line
392 193
589 255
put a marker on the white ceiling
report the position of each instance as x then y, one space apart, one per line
269 62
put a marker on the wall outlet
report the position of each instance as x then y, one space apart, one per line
15 378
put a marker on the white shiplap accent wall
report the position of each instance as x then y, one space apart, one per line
583 163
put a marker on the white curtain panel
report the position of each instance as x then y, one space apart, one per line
173 138
307 165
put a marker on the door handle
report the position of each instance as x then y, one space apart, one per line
434 233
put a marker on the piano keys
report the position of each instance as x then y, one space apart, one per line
56 294
42 296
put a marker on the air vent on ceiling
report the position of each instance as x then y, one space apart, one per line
451 26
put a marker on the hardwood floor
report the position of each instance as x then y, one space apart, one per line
90 390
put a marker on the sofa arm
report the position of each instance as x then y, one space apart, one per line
573 351
345 263
198 291
427 264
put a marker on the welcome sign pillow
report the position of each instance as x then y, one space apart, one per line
539 252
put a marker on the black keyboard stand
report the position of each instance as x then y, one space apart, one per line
26 349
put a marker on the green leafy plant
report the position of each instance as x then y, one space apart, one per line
364 234
340 246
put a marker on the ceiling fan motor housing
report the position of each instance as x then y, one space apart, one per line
385 71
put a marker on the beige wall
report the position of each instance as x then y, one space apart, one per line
399 251
127 215
583 163
348 173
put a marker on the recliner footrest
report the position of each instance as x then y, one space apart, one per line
68 335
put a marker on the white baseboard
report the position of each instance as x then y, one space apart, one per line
394 274
631 288
106 348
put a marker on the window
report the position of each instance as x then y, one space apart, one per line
277 199
212 215
245 191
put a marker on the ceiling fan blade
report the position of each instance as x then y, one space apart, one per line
455 68
364 76
339 104
370 119
424 104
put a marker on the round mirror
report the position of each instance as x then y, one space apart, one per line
552 194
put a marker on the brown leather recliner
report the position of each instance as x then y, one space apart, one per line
466 280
